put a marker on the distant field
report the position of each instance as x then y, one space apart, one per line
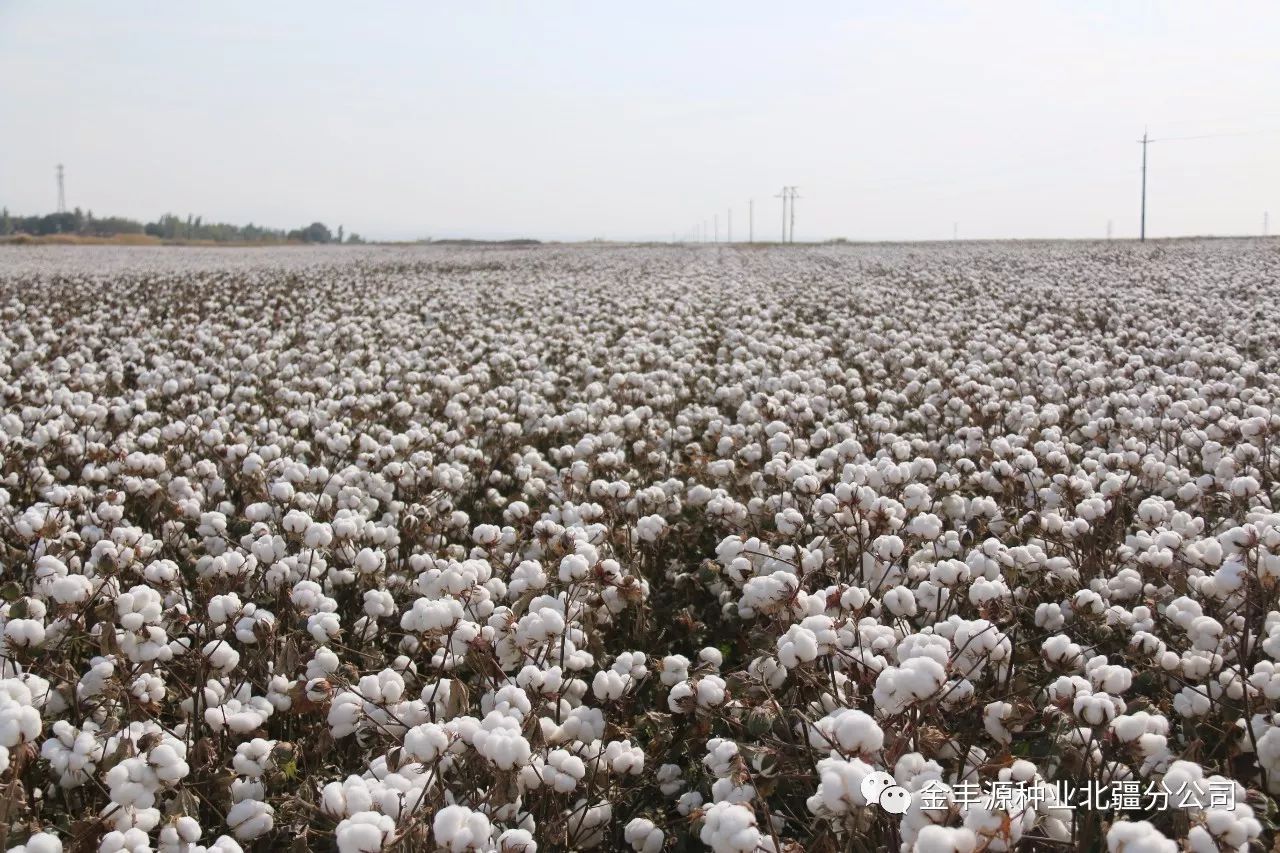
117 240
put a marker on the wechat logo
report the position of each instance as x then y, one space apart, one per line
879 788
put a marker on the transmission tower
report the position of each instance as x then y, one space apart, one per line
784 195
794 196
1142 226
62 192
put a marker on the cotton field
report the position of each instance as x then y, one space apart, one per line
952 548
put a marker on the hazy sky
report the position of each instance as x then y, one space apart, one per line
640 120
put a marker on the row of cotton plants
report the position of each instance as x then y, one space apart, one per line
952 549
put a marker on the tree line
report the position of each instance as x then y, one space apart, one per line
167 227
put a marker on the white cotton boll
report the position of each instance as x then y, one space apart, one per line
1094 709
505 747
1049 616
1138 837
127 841
789 522
517 841
1130 727
942 839
900 601
39 842
669 777
223 607
432 615
689 801
849 730
623 758
1205 633
1192 702
643 836
797 646
324 627
19 718
364 832
839 785
650 528
710 691
926 526
675 668
368 561
564 770
1061 652
345 714
983 591
459 829
609 685
730 828
899 687
249 819
426 742
573 568
221 656
994 715
24 633
1110 678
253 757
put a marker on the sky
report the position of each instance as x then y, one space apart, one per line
574 121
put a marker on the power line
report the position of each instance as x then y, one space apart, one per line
1211 135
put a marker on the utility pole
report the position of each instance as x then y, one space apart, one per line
793 213
783 195
955 230
1142 227
62 194
751 220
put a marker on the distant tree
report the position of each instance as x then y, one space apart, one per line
339 233
316 232
6 222
355 238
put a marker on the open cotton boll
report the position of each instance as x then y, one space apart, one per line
39 842
517 841
848 730
24 633
643 836
731 828
674 669
221 655
459 829
1138 837
19 717
364 832
127 841
942 839
839 786
249 819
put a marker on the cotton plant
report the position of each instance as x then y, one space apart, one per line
327 551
